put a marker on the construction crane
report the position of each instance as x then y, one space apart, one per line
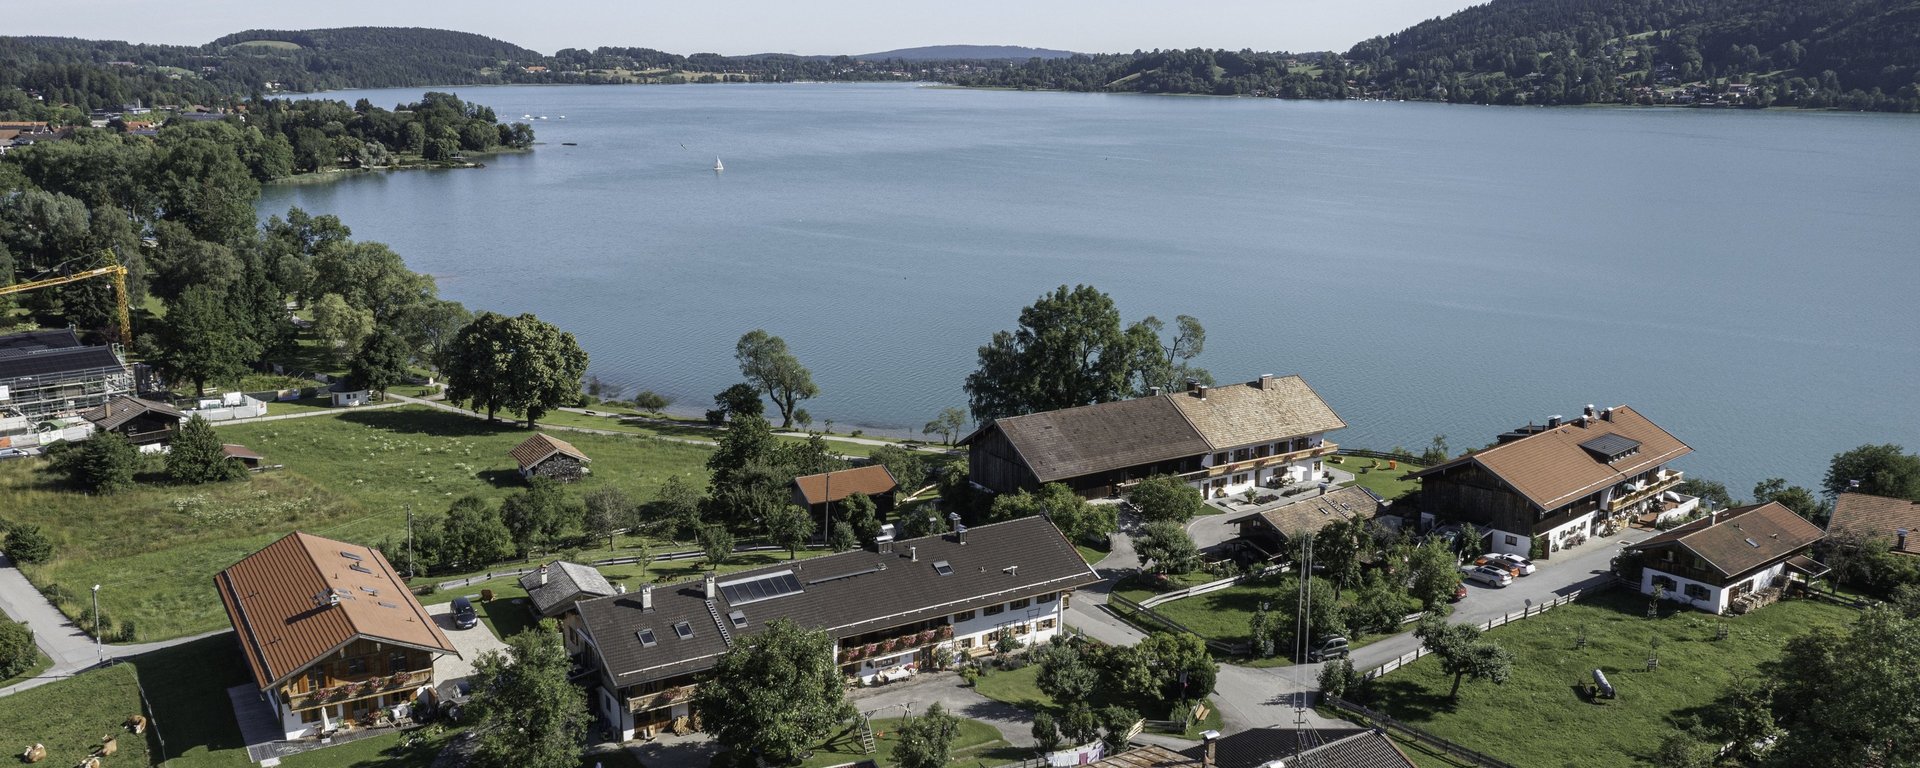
113 268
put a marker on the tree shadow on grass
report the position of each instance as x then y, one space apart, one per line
186 688
430 422
1406 700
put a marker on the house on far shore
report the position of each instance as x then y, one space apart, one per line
546 456
240 453
330 634
147 424
1541 488
1879 517
554 588
1274 531
815 492
1712 562
1222 440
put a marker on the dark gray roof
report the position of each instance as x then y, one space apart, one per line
1259 746
33 341
45 362
846 594
566 583
1095 438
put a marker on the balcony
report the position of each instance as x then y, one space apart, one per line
1664 481
679 694
1261 462
355 690
896 645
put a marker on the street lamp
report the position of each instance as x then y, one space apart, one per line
98 652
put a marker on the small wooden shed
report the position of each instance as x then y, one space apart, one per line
544 455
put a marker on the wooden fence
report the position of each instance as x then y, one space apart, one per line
1390 724
1497 621
1212 586
1407 458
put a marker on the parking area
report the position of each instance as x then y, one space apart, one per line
470 642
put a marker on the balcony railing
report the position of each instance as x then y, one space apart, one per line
355 690
1323 449
896 645
1653 488
678 694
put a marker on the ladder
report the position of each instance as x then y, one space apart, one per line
725 636
867 745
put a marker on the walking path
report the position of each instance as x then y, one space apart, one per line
71 650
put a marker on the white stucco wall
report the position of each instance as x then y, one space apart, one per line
1717 598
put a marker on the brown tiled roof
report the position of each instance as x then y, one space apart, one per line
870 480
1259 411
122 409
1313 513
1550 468
1072 442
536 449
274 599
845 594
1741 539
1879 517
1147 756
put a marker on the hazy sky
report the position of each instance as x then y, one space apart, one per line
757 26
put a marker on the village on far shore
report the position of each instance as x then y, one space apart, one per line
1168 530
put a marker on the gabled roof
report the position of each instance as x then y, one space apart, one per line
125 408
1558 465
1264 410
566 582
278 601
846 594
1331 747
35 341
1741 539
542 446
1313 513
1072 442
235 451
872 480
1147 756
20 363
1878 516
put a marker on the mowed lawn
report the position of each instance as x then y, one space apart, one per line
1538 719
350 476
975 743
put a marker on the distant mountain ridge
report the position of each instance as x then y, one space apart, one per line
969 53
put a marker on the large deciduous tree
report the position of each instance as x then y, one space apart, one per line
1851 698
530 716
947 425
519 363
1166 545
1881 470
1796 498
1464 653
1165 497
1077 519
201 340
1067 350
539 516
342 326
1166 364
926 741
767 364
380 363
774 694
1433 573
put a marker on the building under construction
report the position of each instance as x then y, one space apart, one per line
47 375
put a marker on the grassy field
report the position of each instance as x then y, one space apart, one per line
351 476
976 743
1374 475
1225 615
1018 688
1694 668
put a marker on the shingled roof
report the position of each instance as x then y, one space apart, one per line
1072 442
1560 464
873 479
1741 539
1313 513
565 583
846 594
1290 748
304 597
18 363
541 446
1878 516
125 408
1266 409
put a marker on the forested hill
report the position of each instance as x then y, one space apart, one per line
369 57
1856 54
1198 70
969 52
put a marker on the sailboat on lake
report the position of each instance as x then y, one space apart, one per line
718 166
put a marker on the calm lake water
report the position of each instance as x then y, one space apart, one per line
1747 280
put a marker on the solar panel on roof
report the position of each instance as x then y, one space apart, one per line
766 587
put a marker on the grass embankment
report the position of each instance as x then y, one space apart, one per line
1374 475
352 476
1019 688
1548 669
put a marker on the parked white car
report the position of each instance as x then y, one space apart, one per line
1518 563
1490 575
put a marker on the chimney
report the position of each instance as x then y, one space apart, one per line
1211 737
1590 413
960 531
1193 384
1900 539
1200 390
543 575
913 554
1554 421
1153 391
646 597
1266 381
1606 414
711 591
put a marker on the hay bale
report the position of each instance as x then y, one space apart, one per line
34 754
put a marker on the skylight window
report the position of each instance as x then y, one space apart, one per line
361 568
370 590
385 604
943 567
683 630
647 640
1752 543
350 556
739 619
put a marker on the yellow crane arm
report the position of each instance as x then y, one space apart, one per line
119 274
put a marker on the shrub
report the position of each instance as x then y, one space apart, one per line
17 651
128 631
196 457
103 463
649 400
26 544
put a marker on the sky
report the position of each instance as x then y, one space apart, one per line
764 26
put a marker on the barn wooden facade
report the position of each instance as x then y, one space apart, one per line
550 457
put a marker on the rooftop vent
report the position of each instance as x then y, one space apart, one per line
647 640
1011 570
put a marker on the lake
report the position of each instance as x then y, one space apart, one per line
1747 280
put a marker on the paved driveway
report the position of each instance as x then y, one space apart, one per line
470 642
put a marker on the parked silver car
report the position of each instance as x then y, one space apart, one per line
1490 575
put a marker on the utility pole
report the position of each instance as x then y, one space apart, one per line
410 573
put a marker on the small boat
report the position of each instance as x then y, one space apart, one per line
569 144
717 166
543 117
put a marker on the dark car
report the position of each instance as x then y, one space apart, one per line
464 617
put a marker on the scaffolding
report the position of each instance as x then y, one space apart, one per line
51 394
